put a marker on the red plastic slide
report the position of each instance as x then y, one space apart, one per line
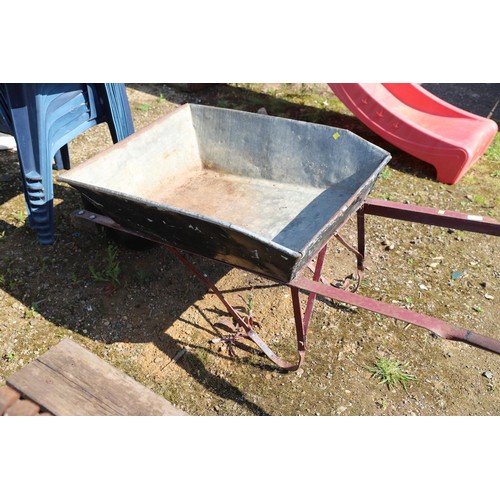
418 122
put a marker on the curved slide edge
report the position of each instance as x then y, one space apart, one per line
421 124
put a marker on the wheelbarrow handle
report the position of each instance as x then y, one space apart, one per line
481 341
432 216
436 326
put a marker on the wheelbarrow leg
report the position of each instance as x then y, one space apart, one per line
360 219
249 333
312 297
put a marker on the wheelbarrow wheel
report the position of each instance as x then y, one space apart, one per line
119 237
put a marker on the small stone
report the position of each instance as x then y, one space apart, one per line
299 372
484 284
423 287
488 296
488 375
158 360
262 111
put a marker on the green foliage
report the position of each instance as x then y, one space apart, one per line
493 152
391 373
20 216
390 197
386 173
31 312
142 277
479 199
112 270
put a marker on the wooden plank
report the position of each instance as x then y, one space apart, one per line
69 380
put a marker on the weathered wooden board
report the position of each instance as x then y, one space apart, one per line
69 380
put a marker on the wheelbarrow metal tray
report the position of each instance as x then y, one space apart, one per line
257 192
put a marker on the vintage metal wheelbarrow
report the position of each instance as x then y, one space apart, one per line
260 193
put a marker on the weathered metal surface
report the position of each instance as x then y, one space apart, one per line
258 192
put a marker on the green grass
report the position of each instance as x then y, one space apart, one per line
31 312
143 107
493 152
479 199
20 216
112 270
391 373
385 174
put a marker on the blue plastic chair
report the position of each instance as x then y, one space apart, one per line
44 118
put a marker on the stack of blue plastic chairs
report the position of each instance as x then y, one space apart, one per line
44 118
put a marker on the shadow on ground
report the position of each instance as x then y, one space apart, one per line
54 282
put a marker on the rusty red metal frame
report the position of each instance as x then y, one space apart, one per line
317 286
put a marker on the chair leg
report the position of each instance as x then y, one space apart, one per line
62 159
37 196
115 101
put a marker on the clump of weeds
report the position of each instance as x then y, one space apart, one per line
111 272
391 373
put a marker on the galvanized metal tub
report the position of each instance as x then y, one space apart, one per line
255 191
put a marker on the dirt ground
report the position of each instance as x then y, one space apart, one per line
158 323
